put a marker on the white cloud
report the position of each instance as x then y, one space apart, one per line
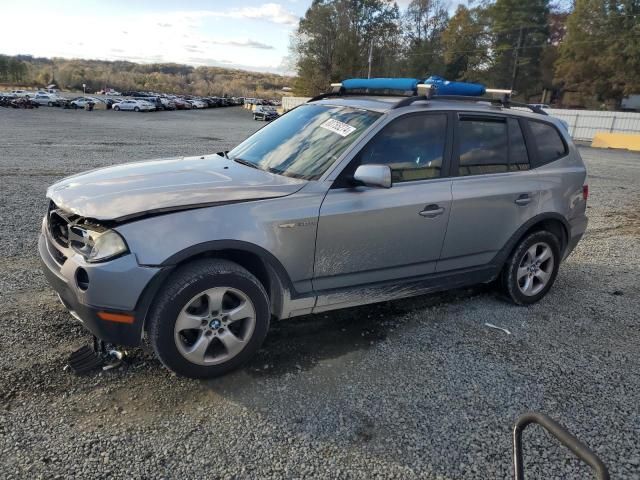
174 36
271 12
268 12
242 43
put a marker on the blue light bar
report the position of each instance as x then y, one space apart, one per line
438 85
403 84
445 87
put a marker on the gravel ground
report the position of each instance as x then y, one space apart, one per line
415 388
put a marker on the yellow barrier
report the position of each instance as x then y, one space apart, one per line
629 141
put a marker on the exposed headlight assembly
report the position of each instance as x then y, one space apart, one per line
95 243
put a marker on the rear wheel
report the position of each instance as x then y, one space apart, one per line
532 268
210 318
50 104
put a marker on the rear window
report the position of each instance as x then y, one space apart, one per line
548 141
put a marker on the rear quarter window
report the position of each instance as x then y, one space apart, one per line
549 142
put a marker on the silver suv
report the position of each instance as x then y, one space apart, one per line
343 201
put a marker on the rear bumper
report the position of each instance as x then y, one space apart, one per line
578 226
120 286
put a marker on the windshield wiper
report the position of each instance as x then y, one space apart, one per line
246 162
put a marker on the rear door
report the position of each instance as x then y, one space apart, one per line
368 234
494 191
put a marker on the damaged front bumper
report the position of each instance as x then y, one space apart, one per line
111 299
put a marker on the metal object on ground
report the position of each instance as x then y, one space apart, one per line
87 359
579 449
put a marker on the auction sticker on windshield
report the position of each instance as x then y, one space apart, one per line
336 126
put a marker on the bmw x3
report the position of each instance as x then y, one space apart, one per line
349 199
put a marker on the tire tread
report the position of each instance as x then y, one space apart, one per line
185 276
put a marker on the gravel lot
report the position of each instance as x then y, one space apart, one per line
415 388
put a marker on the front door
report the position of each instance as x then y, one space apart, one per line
368 234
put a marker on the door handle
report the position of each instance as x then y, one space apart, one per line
432 211
523 199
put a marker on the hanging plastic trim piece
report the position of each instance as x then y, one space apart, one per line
403 84
445 87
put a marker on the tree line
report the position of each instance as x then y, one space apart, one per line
25 70
583 53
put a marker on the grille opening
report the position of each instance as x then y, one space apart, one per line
57 255
82 279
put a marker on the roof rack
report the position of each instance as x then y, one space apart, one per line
426 92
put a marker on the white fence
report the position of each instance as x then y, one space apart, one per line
291 102
583 124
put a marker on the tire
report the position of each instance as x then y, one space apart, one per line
50 104
75 107
116 108
531 269
182 318
136 109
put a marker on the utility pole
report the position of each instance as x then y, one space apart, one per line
514 75
370 57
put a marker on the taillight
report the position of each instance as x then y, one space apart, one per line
585 192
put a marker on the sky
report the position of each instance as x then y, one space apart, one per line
247 34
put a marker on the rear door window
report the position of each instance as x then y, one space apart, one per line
483 145
518 156
548 141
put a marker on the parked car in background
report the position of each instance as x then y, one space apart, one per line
155 101
47 99
182 104
113 93
134 105
212 102
110 102
196 103
81 102
19 102
22 93
539 105
264 112
167 104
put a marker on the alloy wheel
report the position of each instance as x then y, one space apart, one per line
535 269
215 326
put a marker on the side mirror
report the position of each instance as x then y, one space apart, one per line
373 175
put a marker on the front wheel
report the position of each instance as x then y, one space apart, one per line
210 318
116 108
532 268
136 109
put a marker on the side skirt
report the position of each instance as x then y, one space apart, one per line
381 292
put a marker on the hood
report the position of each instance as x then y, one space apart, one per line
131 190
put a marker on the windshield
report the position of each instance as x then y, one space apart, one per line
304 142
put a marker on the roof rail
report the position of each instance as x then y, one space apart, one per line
502 102
427 91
